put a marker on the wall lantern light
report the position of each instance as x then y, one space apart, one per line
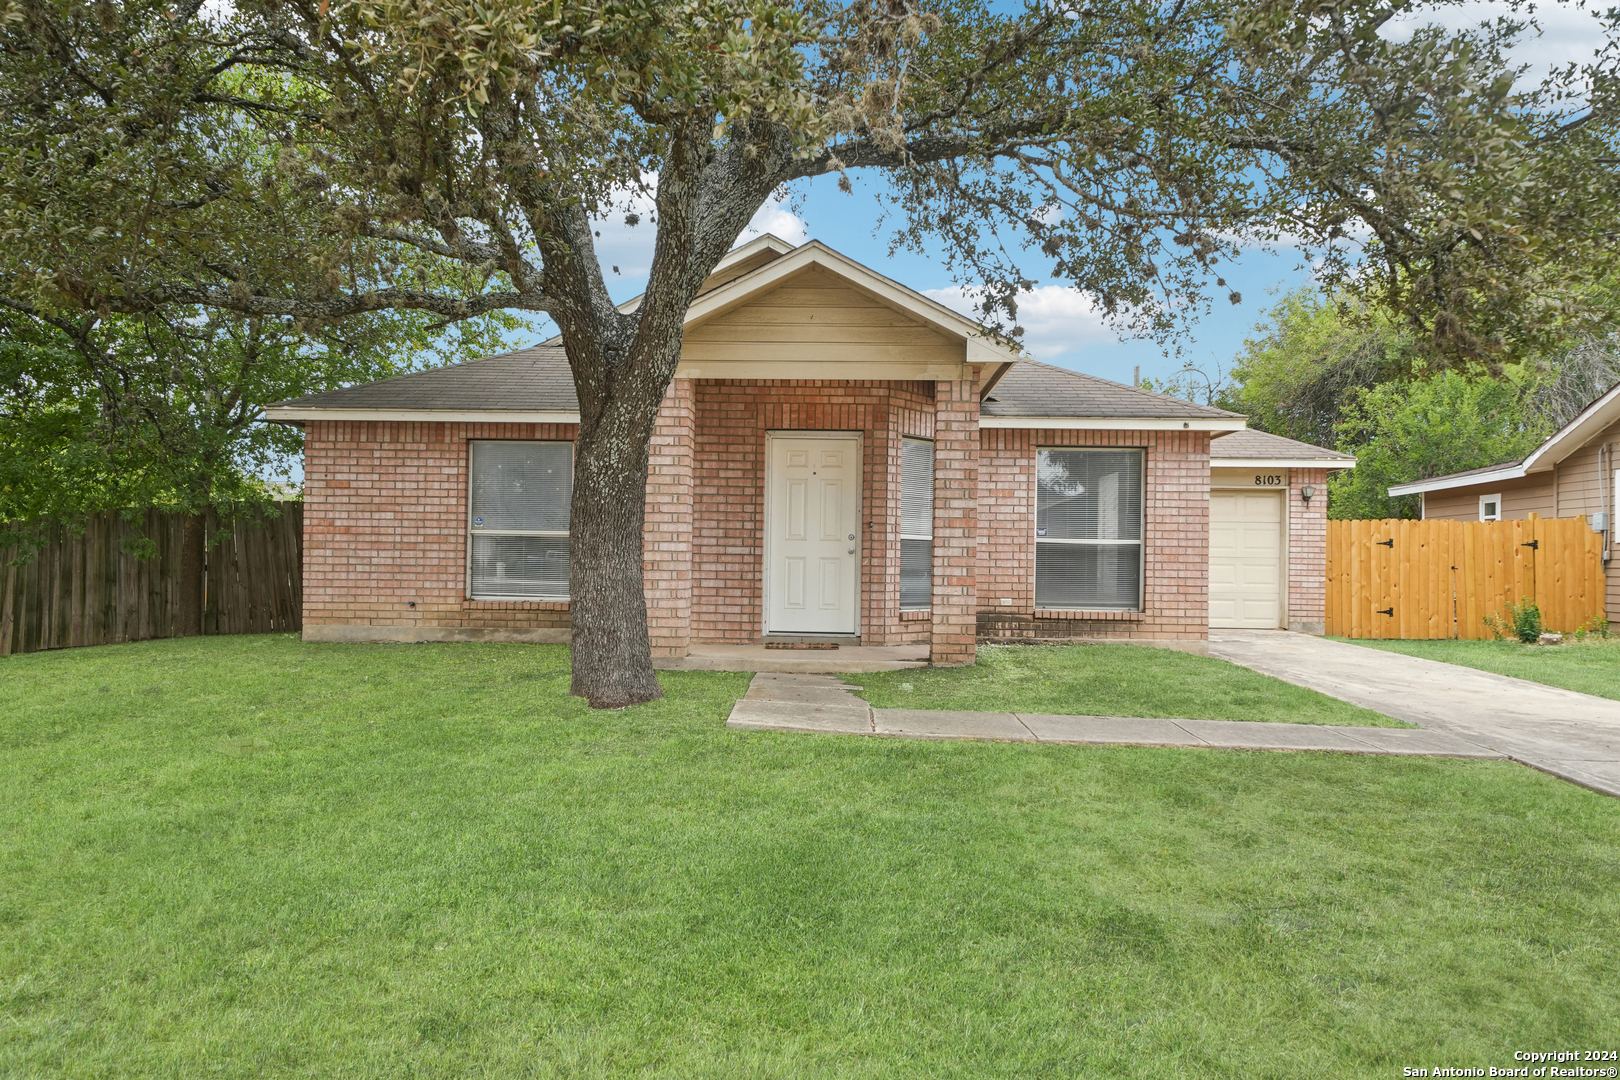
1307 492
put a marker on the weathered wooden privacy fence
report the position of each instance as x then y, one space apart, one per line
198 576
1440 579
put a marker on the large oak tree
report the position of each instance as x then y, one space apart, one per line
1126 146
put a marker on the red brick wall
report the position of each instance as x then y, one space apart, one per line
385 524
667 538
1176 556
728 485
956 522
1307 552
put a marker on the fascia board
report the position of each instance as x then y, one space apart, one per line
1445 483
442 416
1115 423
1575 434
1281 463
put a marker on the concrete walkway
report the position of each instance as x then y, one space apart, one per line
1573 736
806 702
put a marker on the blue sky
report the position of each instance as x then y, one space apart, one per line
1061 326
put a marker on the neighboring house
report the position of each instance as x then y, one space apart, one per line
1573 473
838 457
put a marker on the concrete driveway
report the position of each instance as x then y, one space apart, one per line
1573 736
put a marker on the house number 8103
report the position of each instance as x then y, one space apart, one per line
1268 479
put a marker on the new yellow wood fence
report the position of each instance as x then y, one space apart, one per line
1439 579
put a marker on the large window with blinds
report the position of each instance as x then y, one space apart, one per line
1088 530
916 524
519 520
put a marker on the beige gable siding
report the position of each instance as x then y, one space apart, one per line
1580 489
814 316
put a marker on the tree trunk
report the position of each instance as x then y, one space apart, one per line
607 605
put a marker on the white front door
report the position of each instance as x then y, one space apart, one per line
812 534
1245 559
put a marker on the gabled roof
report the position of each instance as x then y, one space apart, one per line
1037 395
1587 425
1260 449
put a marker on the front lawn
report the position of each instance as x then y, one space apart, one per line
1110 680
1591 666
253 857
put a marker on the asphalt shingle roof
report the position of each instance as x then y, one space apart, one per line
537 379
1032 388
1250 443
527 380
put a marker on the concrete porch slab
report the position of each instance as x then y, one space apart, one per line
758 658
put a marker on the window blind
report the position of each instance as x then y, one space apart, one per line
1088 529
916 524
518 502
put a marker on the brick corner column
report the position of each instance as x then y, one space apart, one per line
956 523
1307 552
667 536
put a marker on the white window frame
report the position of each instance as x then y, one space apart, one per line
929 536
473 531
1497 499
1140 542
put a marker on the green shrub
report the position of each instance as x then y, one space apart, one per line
1526 619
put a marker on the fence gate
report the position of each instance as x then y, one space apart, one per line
1439 579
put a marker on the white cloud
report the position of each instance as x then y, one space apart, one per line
1057 319
1568 32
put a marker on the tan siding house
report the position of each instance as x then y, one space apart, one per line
1573 474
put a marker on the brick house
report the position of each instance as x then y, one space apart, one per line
838 457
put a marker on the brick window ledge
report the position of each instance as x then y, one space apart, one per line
1091 616
514 605
917 615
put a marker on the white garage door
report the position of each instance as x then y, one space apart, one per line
1245 559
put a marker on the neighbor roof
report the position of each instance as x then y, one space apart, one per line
1033 393
1589 423
1250 448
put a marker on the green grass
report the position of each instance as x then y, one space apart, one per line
1590 666
1110 680
254 857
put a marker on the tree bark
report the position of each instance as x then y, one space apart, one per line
607 606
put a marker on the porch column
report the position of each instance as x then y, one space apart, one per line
1307 552
667 538
956 522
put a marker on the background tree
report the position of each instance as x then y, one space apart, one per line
1129 145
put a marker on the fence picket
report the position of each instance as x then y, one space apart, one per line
86 587
1444 577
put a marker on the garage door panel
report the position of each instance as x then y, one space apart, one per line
1245 560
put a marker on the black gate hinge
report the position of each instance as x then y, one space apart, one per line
1390 543
1385 611
1533 544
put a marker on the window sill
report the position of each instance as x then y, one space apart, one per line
916 614
471 604
1090 616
